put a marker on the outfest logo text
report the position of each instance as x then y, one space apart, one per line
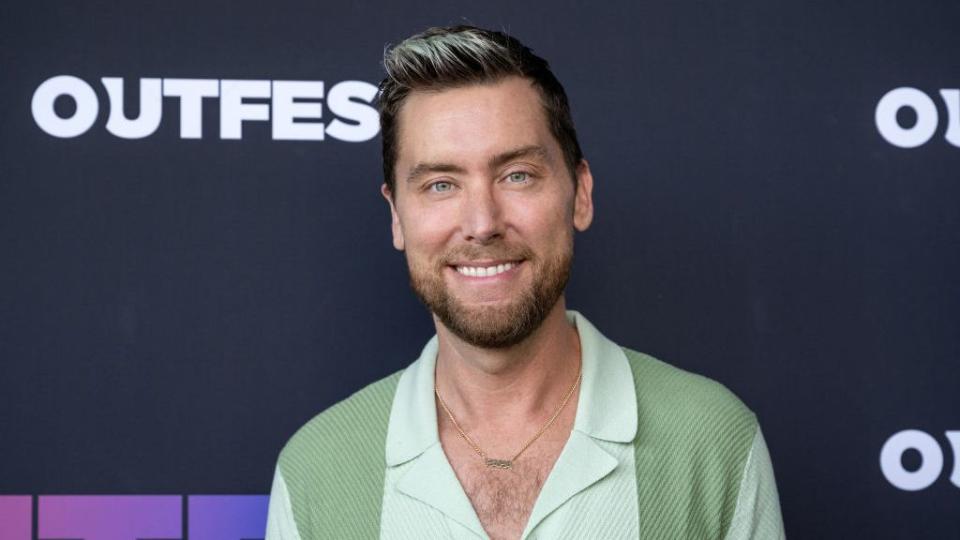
295 109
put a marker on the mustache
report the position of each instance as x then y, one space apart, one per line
501 251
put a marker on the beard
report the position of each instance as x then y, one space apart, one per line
489 326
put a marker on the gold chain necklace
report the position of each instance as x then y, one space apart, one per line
506 463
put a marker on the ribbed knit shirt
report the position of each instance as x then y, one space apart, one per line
595 489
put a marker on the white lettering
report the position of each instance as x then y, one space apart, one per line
191 93
286 110
954 438
931 460
293 107
47 118
233 111
341 103
885 117
151 106
951 98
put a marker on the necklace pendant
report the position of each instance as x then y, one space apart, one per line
499 463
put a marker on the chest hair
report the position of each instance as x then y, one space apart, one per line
504 499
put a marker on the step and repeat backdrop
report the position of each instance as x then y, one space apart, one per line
195 258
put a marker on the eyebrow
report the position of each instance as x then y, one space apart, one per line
498 160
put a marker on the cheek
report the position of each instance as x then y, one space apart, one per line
425 233
543 225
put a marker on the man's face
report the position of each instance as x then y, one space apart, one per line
485 208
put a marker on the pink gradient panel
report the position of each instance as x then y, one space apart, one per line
15 514
110 517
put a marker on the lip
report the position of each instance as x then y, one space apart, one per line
484 262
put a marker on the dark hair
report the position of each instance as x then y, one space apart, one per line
453 56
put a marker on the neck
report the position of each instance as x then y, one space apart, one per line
522 382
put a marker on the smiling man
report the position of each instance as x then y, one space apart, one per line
519 419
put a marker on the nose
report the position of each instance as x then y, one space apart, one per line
481 215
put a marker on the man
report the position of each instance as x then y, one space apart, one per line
519 419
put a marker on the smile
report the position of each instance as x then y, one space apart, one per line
485 271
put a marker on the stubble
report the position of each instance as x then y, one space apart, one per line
494 326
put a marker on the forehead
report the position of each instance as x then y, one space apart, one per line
471 123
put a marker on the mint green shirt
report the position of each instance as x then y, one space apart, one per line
591 492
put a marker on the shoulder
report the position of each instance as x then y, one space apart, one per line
333 466
689 410
683 393
694 436
341 431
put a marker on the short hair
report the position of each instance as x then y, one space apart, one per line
456 56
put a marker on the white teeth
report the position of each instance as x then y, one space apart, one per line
484 271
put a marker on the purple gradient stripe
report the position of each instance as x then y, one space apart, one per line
15 514
227 517
110 517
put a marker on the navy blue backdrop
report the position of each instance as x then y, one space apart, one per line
172 309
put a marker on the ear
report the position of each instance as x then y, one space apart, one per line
583 198
395 226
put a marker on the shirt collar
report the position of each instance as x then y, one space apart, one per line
606 409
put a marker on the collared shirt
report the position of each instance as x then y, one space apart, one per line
591 492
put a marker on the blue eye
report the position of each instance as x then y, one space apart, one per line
518 177
440 187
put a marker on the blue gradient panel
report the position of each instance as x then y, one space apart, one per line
227 517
